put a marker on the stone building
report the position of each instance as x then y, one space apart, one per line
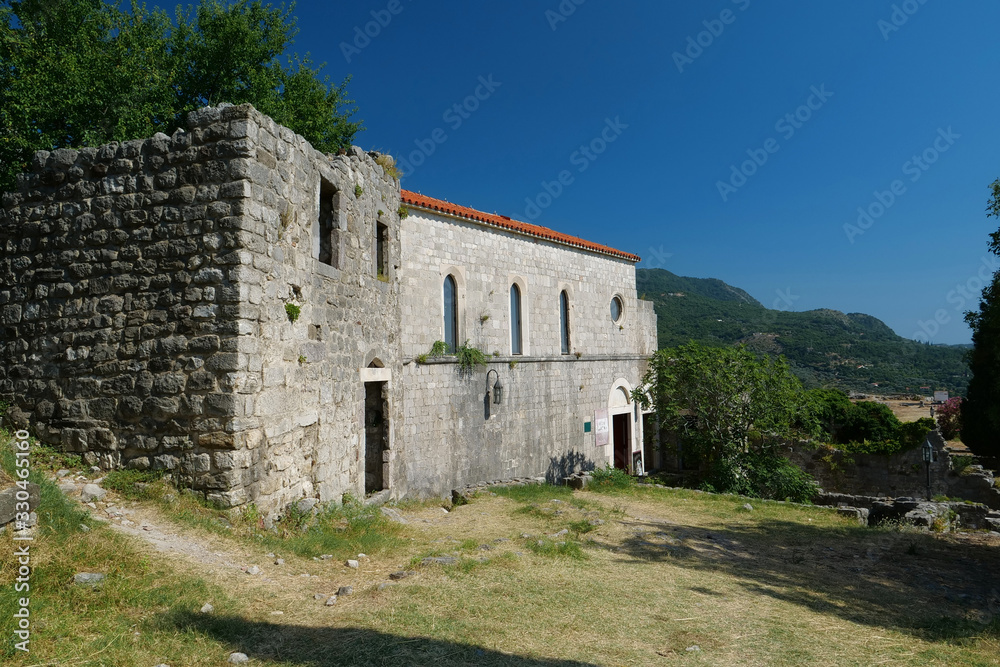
235 307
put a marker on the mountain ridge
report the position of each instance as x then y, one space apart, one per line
825 347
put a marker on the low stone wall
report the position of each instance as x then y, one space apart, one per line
898 475
950 515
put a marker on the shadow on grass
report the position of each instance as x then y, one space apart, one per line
329 647
937 588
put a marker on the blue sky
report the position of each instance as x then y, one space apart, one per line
622 122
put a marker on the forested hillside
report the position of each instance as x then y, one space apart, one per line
825 347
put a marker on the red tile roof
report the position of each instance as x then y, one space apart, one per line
503 222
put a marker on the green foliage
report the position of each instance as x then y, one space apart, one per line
608 478
135 484
470 358
438 349
913 434
869 421
403 212
823 347
358 191
87 72
732 410
827 410
959 464
292 311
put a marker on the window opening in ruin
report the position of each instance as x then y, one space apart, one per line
451 313
381 251
564 321
329 252
376 436
515 320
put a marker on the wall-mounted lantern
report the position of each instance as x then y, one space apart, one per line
497 387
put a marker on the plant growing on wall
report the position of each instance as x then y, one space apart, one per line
388 163
470 358
438 349
358 190
292 311
403 212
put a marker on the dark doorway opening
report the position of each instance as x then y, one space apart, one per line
620 429
376 436
651 442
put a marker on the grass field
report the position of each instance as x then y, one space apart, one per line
541 576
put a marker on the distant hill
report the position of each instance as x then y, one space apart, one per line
825 347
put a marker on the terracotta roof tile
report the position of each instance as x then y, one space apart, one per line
504 222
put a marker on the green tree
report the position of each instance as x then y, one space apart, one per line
981 408
86 72
733 409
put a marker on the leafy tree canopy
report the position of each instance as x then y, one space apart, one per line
732 408
981 408
86 72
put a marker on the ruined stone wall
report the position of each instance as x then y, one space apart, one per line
119 303
143 302
301 395
898 475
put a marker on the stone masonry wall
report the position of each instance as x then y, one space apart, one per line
451 438
300 397
538 428
118 303
143 306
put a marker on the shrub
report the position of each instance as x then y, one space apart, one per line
913 434
959 464
610 478
763 475
292 311
949 418
867 420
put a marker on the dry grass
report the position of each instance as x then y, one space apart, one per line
642 578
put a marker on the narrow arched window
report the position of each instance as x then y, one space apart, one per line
515 320
451 313
564 321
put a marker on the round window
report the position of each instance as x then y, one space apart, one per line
616 309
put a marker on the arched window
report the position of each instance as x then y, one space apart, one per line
564 320
515 320
451 313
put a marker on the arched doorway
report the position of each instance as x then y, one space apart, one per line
622 435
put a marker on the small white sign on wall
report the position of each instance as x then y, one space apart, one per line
601 428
